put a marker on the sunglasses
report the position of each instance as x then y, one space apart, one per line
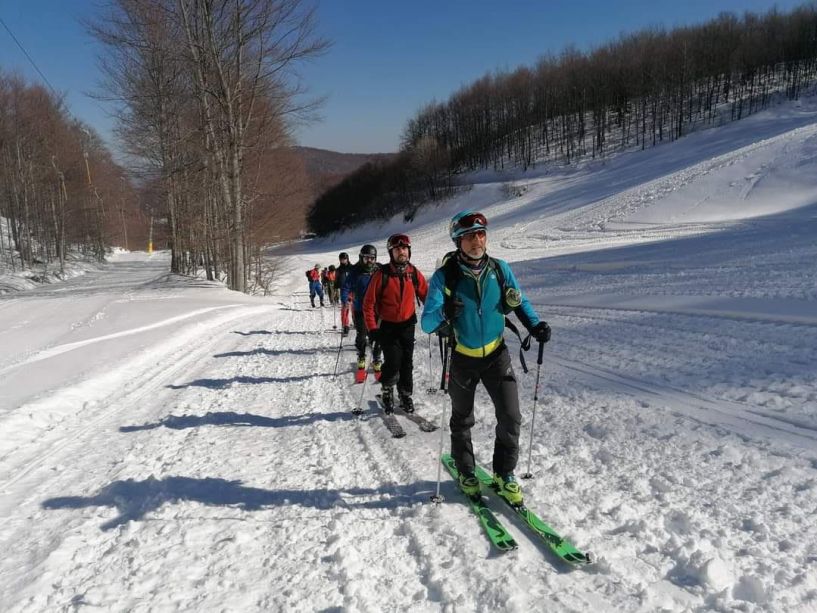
476 233
398 240
474 219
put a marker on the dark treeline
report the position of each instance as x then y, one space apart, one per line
644 89
60 191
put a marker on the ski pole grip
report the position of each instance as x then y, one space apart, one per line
541 352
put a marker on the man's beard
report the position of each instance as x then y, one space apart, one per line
477 253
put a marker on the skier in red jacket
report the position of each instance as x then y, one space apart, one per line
389 311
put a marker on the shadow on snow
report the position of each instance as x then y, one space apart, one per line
134 499
218 384
231 418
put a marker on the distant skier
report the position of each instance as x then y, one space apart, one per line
390 315
342 272
315 285
469 296
355 287
332 285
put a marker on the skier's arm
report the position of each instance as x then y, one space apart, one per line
347 286
422 286
524 311
433 316
369 298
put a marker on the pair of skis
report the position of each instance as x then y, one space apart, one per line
499 535
394 426
362 373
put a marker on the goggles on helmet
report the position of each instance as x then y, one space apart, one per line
398 240
468 223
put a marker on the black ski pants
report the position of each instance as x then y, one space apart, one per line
361 339
397 342
496 373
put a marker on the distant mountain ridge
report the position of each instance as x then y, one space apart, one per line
324 163
302 175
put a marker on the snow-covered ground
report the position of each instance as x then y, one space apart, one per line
166 444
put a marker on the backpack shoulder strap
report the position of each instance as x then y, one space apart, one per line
500 274
452 274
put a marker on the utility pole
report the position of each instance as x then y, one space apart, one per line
150 236
124 225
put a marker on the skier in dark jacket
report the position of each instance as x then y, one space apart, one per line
342 272
389 310
475 312
354 287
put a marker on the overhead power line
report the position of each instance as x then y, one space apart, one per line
28 57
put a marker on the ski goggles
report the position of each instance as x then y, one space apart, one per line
398 240
474 220
467 224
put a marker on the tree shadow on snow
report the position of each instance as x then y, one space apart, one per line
270 333
218 384
134 499
273 352
231 418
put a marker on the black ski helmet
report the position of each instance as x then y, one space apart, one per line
369 250
343 256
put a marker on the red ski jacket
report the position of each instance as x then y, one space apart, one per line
391 295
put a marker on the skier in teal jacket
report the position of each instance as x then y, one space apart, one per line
469 297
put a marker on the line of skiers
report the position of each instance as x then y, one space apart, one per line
323 282
466 301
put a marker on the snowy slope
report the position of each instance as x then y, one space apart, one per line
166 444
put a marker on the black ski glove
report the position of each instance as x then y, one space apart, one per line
453 309
374 336
541 332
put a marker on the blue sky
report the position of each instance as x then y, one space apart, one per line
388 59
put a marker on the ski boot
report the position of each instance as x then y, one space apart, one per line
469 484
406 403
507 487
345 331
361 362
377 366
387 398
312 300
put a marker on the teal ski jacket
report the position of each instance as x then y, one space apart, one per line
479 330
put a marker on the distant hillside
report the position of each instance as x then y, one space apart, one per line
302 175
321 162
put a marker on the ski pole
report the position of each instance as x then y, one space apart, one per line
430 389
337 361
438 498
359 408
528 474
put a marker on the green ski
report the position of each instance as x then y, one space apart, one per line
557 544
497 533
